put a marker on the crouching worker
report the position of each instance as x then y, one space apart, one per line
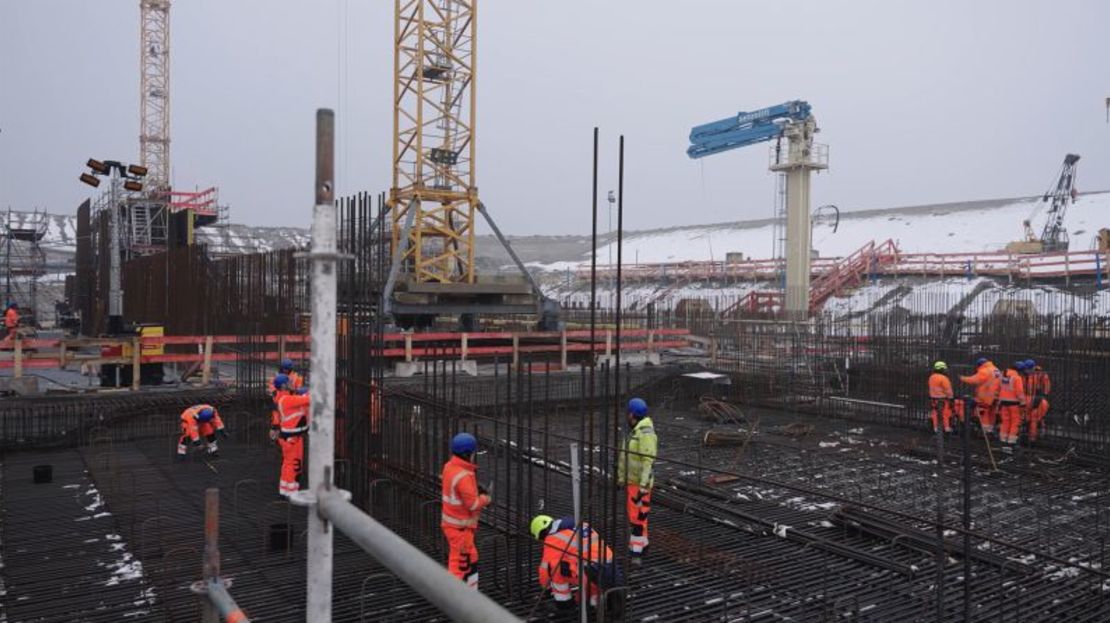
200 422
563 544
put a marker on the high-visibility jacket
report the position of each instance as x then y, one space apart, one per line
292 413
987 381
190 425
641 447
1011 389
462 503
939 386
558 569
11 318
1038 383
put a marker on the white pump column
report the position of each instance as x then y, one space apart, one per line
800 157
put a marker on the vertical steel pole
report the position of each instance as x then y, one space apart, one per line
115 287
321 445
576 494
209 613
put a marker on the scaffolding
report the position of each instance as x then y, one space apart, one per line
24 260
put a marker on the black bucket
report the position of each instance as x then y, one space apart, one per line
281 537
43 474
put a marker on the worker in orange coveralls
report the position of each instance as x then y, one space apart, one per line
940 397
463 501
1038 385
199 424
987 381
11 321
563 545
1011 398
292 425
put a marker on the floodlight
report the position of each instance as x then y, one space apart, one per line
98 166
136 170
132 185
91 180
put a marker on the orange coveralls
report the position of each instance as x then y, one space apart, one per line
462 504
940 400
1011 396
193 429
1038 386
559 563
11 322
987 381
292 412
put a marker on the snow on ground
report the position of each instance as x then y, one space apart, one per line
975 227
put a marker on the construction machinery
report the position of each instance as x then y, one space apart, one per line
1054 235
796 159
433 202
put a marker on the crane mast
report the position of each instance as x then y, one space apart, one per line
1055 234
154 94
434 195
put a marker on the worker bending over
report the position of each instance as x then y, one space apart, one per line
940 397
634 471
11 321
987 381
1038 386
463 501
1011 398
563 545
292 426
200 422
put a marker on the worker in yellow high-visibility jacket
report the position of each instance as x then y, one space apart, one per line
634 472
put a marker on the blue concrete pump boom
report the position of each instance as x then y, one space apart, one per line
744 128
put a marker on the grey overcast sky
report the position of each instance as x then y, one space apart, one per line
920 102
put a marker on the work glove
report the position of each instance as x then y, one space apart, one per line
564 567
485 499
483 491
223 433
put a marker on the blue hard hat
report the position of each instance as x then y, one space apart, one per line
280 381
286 365
206 414
980 361
1029 363
1019 365
463 443
637 407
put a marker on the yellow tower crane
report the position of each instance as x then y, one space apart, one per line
433 201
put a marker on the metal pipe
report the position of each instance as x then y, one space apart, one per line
322 383
411 565
209 612
223 602
576 495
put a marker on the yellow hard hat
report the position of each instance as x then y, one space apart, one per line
540 524
940 366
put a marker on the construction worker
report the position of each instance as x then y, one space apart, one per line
1011 398
463 501
296 381
11 321
940 397
987 381
1038 386
200 422
563 544
634 472
292 425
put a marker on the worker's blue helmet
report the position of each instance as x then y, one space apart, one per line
980 361
637 407
286 365
13 305
280 381
463 443
206 414
1030 364
1019 365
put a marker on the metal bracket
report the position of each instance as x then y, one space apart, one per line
200 587
307 497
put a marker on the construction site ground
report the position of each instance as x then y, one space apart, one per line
118 534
